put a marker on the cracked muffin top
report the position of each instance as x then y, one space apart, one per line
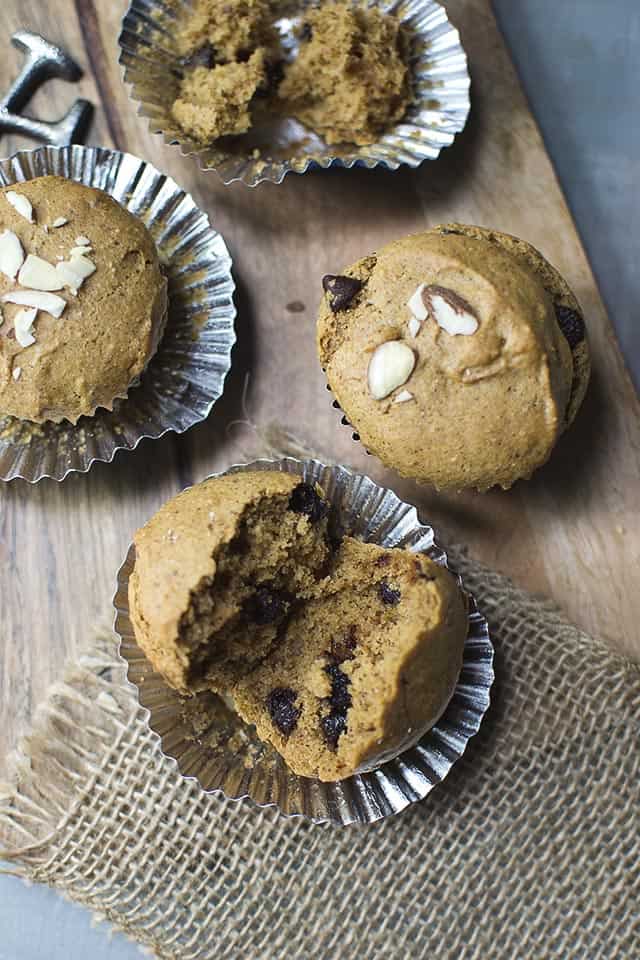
82 296
459 355
341 653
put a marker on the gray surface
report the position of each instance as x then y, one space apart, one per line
580 63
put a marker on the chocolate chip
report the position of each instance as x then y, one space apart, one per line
383 560
306 32
305 499
342 647
333 724
571 324
283 713
341 290
204 56
387 594
266 605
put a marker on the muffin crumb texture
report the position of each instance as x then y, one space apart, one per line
83 301
340 655
348 82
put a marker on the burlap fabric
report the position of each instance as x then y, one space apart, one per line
530 848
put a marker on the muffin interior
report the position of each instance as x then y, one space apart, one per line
274 561
315 640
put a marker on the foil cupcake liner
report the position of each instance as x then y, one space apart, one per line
210 744
186 375
438 111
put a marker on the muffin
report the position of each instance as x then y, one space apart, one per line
341 654
83 300
227 48
347 81
459 355
350 80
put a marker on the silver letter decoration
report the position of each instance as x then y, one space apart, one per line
43 61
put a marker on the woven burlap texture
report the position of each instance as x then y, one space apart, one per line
530 848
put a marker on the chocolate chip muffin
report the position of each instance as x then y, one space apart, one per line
459 355
227 51
82 296
350 80
341 654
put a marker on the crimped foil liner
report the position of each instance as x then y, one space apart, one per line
186 375
276 146
210 744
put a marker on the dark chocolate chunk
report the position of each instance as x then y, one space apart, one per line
305 499
266 605
571 324
342 647
283 713
341 290
204 56
387 594
333 724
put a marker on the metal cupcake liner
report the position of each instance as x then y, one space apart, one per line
210 744
438 111
186 375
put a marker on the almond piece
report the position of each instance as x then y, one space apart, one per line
450 311
16 373
75 271
417 305
403 397
82 241
23 327
39 274
390 366
11 254
49 302
59 222
20 203
80 251
414 327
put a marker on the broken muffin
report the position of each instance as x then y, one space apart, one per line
350 80
340 655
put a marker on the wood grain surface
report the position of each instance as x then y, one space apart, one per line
570 534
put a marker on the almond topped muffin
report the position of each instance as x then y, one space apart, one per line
342 654
83 300
459 355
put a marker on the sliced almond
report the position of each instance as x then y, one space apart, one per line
417 305
59 222
23 327
16 373
414 327
82 241
49 302
39 274
390 366
450 311
403 397
74 272
20 203
11 254
80 251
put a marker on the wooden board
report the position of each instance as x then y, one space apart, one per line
570 533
